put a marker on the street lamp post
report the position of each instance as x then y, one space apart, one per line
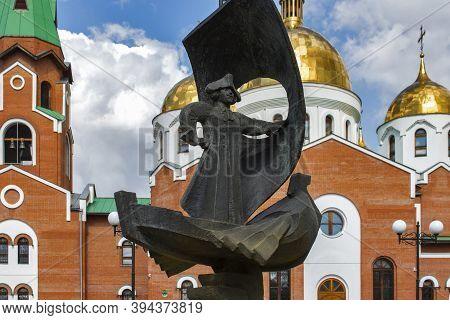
416 239
113 219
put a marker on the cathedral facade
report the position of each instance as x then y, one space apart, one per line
58 244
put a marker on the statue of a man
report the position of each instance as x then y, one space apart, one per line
215 190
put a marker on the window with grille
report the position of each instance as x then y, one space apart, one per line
24 251
428 290
383 280
23 294
332 223
3 251
21 5
280 285
4 293
328 125
18 144
127 253
392 148
127 294
184 289
421 143
332 289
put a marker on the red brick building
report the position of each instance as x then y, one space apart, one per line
57 244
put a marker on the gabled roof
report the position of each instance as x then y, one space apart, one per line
45 182
38 21
66 66
370 153
426 173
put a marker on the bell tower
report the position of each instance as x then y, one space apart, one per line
292 13
35 80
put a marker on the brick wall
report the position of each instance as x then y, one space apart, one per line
380 191
44 210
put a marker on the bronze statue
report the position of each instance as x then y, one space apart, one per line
244 163
218 177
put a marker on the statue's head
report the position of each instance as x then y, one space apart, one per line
223 90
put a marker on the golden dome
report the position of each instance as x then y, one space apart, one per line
318 60
182 94
422 97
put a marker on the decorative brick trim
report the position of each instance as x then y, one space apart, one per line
10 242
4 285
22 235
23 285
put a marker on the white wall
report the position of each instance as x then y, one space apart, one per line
404 129
13 273
336 257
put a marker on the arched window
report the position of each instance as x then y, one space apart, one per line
23 294
184 289
161 147
46 89
127 294
18 144
428 290
348 128
183 147
24 251
331 289
4 295
448 143
421 143
383 280
392 148
307 129
277 118
67 155
328 125
127 253
21 5
280 285
3 251
332 223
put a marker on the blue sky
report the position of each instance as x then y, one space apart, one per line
165 20
377 40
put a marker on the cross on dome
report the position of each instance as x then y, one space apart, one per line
422 35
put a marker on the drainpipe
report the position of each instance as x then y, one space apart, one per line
83 205
81 255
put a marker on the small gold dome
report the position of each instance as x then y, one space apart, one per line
422 97
182 94
318 60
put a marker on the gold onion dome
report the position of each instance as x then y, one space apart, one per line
182 94
422 97
318 60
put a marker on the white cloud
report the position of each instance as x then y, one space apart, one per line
385 55
121 78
